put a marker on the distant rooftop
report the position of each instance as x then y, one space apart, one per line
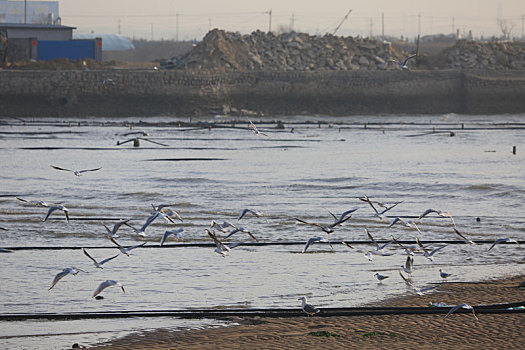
34 26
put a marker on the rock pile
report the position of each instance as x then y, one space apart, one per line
496 55
227 51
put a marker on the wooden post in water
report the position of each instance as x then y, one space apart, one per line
513 149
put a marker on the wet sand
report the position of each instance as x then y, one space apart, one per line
458 331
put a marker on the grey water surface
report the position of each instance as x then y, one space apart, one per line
460 164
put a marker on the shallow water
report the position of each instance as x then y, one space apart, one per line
213 175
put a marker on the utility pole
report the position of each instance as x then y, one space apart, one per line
25 11
383 25
371 26
418 24
177 26
453 26
269 21
522 27
119 26
209 23
292 21
151 31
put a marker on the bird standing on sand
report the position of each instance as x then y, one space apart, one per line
444 275
380 277
308 309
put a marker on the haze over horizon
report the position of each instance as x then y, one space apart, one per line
188 20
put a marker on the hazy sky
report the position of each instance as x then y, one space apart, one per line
158 18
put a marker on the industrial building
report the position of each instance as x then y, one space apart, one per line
33 30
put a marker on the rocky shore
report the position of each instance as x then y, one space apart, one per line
267 74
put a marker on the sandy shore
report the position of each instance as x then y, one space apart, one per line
458 331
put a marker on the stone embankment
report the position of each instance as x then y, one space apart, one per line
497 55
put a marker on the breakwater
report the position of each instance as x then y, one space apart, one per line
113 93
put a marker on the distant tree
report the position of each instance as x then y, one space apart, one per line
506 28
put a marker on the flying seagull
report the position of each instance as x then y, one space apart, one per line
409 264
343 216
36 203
368 254
98 264
222 249
325 228
429 254
379 248
405 62
408 223
308 309
66 271
462 306
313 240
76 172
126 250
136 142
113 232
255 130
441 213
504 240
257 213
168 233
105 284
379 214
58 207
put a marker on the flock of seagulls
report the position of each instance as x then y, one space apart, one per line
227 229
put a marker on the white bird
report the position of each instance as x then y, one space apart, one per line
126 250
444 275
441 213
142 231
36 203
168 233
379 248
257 213
106 284
241 230
379 214
367 253
136 142
98 264
76 172
221 227
113 231
408 223
58 207
462 306
405 62
66 271
222 249
463 237
326 228
255 130
422 291
380 277
308 309
504 240
407 280
313 240
409 264
342 217
429 254
167 214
